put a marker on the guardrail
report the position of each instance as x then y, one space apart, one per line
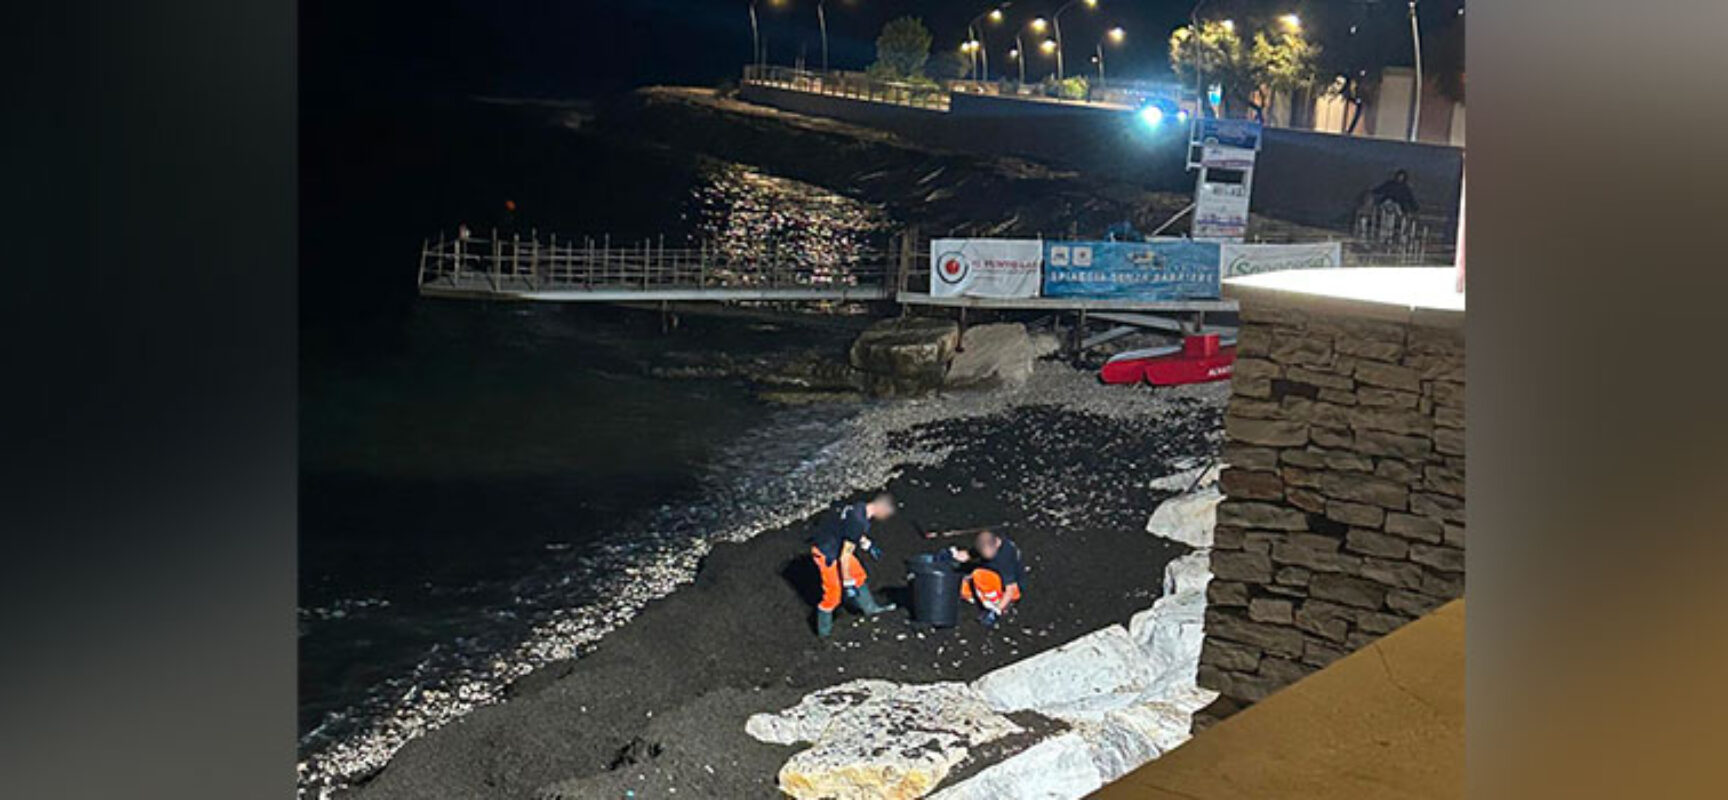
515 265
852 85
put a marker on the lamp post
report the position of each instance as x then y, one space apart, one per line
755 39
1199 64
1415 91
1019 56
1113 36
1056 27
975 32
822 22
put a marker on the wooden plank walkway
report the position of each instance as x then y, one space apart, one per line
597 271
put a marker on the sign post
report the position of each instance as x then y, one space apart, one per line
1228 149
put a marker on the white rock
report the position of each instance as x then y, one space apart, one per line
1169 635
1045 344
1058 768
1187 518
895 744
1189 573
990 353
1125 739
1171 631
806 721
1103 662
1188 479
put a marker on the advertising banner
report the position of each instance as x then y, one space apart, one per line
1162 269
1220 211
1252 259
1222 157
985 267
1230 133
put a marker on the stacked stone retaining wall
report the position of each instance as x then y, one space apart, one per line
1343 515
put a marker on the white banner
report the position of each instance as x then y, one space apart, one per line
1220 211
1220 156
1252 259
985 267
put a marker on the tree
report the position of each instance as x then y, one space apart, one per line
949 65
1283 63
901 50
1248 74
1221 60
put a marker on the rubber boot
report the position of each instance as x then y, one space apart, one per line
824 623
867 604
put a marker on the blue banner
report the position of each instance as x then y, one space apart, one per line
1230 133
1170 269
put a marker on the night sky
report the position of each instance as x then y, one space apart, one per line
580 48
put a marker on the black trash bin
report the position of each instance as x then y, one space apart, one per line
935 591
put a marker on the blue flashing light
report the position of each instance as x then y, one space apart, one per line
1152 115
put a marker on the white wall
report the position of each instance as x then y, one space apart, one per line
1392 104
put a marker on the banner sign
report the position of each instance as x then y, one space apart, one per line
1221 157
985 267
1252 259
1230 133
1162 269
1220 211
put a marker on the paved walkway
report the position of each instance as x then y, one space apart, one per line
1384 722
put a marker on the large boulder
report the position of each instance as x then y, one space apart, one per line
1082 679
1128 737
1187 518
872 741
1058 767
1189 573
1171 631
806 721
993 354
907 355
1169 634
1188 478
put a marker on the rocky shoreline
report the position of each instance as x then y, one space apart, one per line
658 707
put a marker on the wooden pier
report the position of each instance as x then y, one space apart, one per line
589 270
599 271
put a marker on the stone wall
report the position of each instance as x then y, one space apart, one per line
1343 515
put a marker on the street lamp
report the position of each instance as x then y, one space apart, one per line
975 29
1018 54
1113 36
1229 26
755 38
1292 23
760 54
822 22
1416 91
1056 25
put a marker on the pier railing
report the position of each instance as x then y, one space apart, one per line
851 85
550 267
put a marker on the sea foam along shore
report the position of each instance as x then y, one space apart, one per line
861 456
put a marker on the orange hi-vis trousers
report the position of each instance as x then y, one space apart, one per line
835 577
985 584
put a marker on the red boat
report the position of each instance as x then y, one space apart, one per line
1198 359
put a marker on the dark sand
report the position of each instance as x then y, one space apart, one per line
658 708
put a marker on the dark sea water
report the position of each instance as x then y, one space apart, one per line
471 471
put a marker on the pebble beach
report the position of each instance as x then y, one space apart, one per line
646 693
